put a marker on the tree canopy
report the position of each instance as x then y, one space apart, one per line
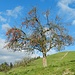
43 37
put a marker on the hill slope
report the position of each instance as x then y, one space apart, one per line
58 64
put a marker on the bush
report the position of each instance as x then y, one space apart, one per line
5 67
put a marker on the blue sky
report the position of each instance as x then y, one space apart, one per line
12 12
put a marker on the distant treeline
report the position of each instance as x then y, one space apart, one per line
4 67
25 61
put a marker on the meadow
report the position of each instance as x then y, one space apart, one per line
62 63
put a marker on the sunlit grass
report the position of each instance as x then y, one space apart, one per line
56 66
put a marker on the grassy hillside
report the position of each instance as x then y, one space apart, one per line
58 64
1 73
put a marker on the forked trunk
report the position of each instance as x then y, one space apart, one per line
44 60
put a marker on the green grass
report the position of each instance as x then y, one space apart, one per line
1 73
56 66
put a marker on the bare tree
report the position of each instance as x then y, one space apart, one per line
43 37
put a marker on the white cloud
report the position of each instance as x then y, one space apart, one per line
15 12
6 26
65 4
2 19
8 55
65 9
2 43
73 23
51 52
34 55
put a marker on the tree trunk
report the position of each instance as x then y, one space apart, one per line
44 60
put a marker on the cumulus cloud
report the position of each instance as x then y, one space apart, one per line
6 26
8 55
2 19
15 12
